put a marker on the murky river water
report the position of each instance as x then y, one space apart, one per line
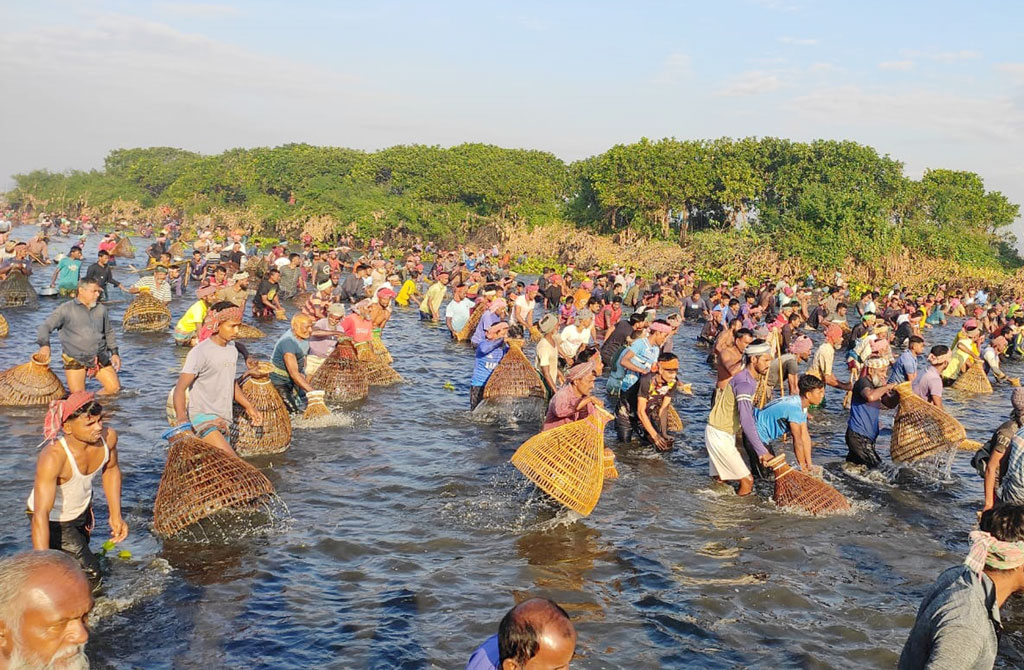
410 535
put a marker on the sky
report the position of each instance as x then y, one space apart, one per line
936 84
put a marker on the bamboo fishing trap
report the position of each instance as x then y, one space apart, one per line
474 319
249 332
514 376
200 480
31 383
920 429
975 380
16 291
4 328
274 435
798 489
123 249
341 376
379 348
568 462
146 314
378 372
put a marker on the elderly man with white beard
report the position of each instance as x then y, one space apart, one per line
44 601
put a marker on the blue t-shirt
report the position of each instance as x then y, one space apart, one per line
486 656
904 366
645 355
67 273
289 344
773 421
488 354
863 414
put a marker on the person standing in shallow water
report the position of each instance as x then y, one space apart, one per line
536 634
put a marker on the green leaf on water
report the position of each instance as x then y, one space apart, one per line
125 554
108 545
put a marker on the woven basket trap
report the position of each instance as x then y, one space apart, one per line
798 489
470 327
514 376
275 435
4 328
31 383
249 332
975 380
15 291
341 376
145 313
920 429
124 249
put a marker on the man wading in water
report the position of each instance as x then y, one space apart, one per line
78 447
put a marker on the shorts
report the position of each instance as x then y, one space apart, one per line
72 537
197 421
182 339
98 363
425 316
724 458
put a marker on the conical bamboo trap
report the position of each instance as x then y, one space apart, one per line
379 348
249 332
378 372
673 422
176 250
4 328
920 429
514 376
975 380
124 249
568 462
315 405
16 291
341 375
146 314
470 327
31 383
274 435
200 480
798 489
535 334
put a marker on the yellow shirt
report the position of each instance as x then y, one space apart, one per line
404 293
193 318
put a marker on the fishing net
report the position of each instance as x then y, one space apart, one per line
673 422
315 406
341 376
275 432
32 383
798 489
123 249
145 314
248 332
4 328
15 291
514 376
470 327
379 348
567 462
975 380
200 480
921 429
176 250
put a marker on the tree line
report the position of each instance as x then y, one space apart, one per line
825 201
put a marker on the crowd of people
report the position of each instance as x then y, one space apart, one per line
589 324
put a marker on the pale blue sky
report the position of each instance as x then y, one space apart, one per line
934 84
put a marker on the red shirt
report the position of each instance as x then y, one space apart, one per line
358 328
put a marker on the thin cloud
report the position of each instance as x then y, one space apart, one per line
798 41
824 67
201 10
676 68
942 56
1015 70
754 82
903 65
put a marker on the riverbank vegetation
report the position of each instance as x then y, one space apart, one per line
752 205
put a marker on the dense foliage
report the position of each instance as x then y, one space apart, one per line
824 202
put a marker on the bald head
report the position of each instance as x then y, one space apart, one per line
536 634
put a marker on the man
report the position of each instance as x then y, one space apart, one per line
458 310
786 368
430 306
209 377
789 415
547 353
990 356
576 336
19 263
218 280
905 367
730 359
78 446
267 303
647 404
608 316
965 352
623 331
536 634
1006 474
66 275
357 324
408 290
380 308
929 384
573 401
862 428
291 281
157 285
324 338
38 247
637 359
44 607
489 341
186 331
824 358
353 289
732 414
523 307
157 249
237 293
289 360
88 343
958 623
103 274
694 307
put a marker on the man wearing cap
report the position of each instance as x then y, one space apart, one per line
324 338
88 343
458 310
430 306
576 336
732 417
869 394
573 401
318 303
647 404
66 274
380 308
186 331
237 293
78 447
208 376
546 353
156 284
489 340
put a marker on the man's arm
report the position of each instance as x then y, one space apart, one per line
627 362
112 489
801 444
185 380
991 475
255 417
291 364
48 467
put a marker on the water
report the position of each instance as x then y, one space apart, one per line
410 535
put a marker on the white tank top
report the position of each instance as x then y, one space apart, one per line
74 495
